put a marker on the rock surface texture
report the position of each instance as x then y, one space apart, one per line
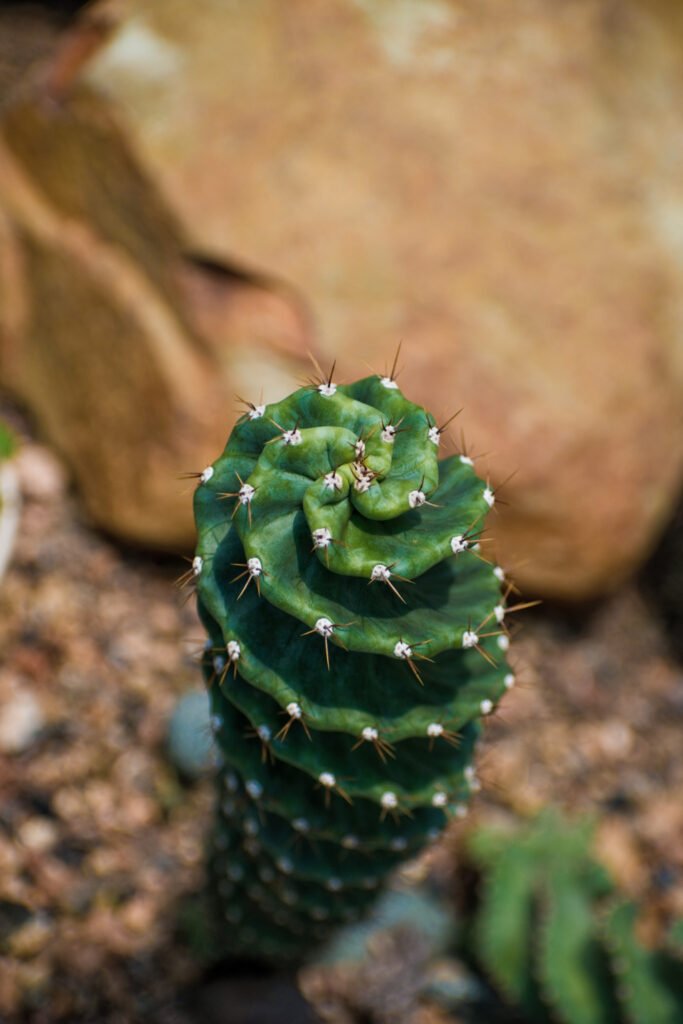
498 188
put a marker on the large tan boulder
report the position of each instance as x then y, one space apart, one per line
496 185
129 353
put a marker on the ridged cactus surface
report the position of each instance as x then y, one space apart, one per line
356 637
557 939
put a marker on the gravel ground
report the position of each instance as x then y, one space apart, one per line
100 839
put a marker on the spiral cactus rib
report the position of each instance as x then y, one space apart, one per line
355 639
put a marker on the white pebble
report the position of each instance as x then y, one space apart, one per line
20 721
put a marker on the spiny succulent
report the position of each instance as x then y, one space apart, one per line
557 939
356 637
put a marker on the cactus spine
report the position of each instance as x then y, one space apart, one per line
558 941
356 637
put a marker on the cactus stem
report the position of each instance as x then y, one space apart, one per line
326 628
322 384
434 432
490 494
253 412
222 664
487 657
389 379
296 714
390 430
340 492
364 477
189 576
436 730
263 734
333 481
371 735
388 807
466 457
521 607
384 573
467 540
500 575
471 638
253 570
406 652
329 783
418 498
203 477
288 437
389 801
450 419
322 538
244 496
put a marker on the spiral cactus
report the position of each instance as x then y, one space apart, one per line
356 637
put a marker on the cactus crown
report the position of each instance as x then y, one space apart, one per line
557 939
356 636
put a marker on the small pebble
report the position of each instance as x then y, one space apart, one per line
33 936
41 474
38 834
21 719
188 741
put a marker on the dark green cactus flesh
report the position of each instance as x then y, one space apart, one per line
356 638
558 941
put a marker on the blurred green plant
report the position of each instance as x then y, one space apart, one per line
356 639
556 938
9 495
8 441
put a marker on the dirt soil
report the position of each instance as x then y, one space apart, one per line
100 839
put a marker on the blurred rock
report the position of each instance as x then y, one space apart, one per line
662 583
189 740
10 510
386 172
41 476
104 320
31 938
21 719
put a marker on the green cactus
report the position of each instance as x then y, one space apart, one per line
356 637
556 939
